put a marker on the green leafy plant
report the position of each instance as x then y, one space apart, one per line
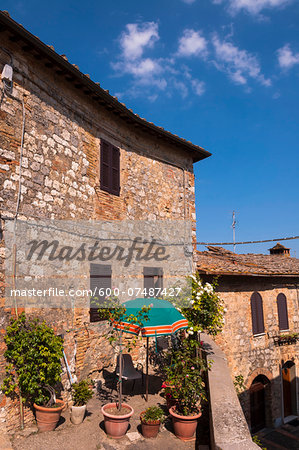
152 414
185 374
239 384
33 361
81 392
120 321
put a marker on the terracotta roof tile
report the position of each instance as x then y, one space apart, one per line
220 261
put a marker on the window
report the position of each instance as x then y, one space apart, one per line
153 281
257 315
110 168
282 310
100 278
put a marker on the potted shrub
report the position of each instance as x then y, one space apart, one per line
151 419
81 393
185 373
117 414
33 355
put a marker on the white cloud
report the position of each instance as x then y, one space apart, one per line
192 43
198 87
238 64
151 76
253 6
181 87
286 58
137 37
134 41
189 2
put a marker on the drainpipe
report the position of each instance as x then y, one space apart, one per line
281 390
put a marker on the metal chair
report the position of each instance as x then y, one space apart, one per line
129 372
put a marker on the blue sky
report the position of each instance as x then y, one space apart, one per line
221 73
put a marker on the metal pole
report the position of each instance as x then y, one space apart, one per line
146 379
120 371
234 230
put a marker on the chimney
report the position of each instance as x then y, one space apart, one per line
279 250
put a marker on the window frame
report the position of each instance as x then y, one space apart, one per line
149 273
104 274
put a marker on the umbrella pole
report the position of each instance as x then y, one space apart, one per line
146 379
120 372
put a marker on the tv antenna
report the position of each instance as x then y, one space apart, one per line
234 230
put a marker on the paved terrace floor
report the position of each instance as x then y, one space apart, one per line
90 434
285 437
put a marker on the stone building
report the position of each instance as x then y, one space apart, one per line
71 151
261 330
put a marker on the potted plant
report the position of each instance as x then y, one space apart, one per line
117 414
33 355
186 374
151 419
81 393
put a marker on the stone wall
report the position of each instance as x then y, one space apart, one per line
249 355
60 179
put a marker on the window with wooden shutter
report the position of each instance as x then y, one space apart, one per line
153 279
100 278
110 168
282 312
257 314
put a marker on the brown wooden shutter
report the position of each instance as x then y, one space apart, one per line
257 314
153 278
282 312
105 165
115 172
110 168
100 277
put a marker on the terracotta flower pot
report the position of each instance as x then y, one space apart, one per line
149 429
184 426
77 414
116 425
47 418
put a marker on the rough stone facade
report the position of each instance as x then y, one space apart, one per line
60 179
252 355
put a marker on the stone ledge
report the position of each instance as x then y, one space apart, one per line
229 429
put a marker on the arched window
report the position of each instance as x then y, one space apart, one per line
257 315
282 310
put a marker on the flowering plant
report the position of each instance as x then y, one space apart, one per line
200 304
206 311
185 375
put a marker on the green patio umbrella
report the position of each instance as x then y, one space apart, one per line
163 319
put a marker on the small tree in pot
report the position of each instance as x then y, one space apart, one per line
117 415
151 419
33 355
81 393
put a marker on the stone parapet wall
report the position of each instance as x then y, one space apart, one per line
228 427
